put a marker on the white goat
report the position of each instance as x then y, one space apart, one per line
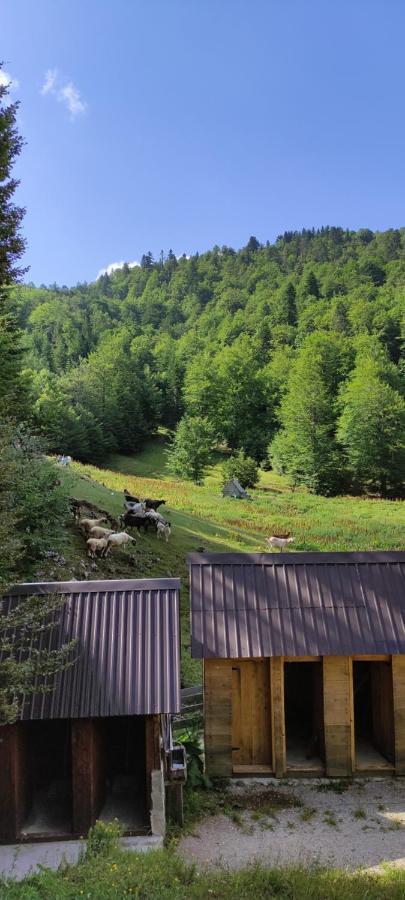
137 508
96 546
155 516
280 542
163 530
98 532
118 540
86 524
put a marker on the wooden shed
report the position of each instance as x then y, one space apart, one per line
304 662
92 748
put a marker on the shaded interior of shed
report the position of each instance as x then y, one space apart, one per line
123 760
46 788
304 720
373 715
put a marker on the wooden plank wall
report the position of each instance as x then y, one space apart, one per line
88 773
398 680
338 711
152 741
277 704
218 716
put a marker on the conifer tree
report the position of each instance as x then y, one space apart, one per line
11 249
371 428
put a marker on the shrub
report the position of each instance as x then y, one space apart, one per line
242 467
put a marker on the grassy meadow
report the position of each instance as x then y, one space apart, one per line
202 518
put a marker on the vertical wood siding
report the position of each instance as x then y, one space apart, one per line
338 709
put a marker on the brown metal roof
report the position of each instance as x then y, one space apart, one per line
128 650
297 604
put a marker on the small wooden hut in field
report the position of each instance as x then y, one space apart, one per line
233 488
304 662
93 747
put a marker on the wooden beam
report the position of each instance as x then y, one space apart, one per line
278 715
377 657
152 743
88 773
301 659
338 715
10 777
398 683
218 716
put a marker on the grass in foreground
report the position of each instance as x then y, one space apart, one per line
161 874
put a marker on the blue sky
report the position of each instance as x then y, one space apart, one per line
153 124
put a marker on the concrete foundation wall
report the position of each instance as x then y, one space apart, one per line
158 803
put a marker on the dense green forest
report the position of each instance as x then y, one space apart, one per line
290 351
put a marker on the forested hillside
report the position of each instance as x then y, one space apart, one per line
290 351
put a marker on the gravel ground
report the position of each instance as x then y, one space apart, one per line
362 826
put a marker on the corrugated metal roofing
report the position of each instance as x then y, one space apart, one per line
128 648
297 604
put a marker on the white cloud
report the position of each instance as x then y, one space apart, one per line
67 93
48 86
112 267
7 80
70 96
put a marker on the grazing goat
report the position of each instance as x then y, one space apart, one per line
278 541
132 520
98 532
135 507
155 516
86 524
96 546
118 540
153 504
163 530
130 497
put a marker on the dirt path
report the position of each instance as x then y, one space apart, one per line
362 826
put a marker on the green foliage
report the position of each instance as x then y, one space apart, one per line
217 336
196 777
371 427
192 447
242 467
26 665
11 249
33 506
305 447
103 839
161 873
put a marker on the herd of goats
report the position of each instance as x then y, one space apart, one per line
138 514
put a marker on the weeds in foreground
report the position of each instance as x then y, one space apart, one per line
329 818
335 785
359 813
161 874
307 814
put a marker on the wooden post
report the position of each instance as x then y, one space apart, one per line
174 800
218 716
338 712
278 715
398 683
13 782
87 773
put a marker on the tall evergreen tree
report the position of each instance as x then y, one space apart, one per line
305 447
372 428
12 246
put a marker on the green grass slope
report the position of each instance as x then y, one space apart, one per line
202 518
